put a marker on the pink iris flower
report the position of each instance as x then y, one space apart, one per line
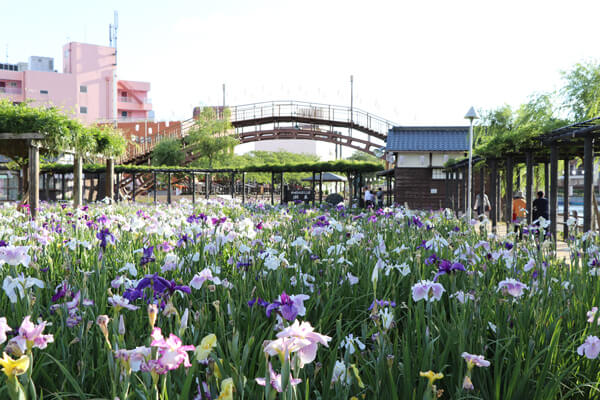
591 347
512 287
275 379
172 352
427 290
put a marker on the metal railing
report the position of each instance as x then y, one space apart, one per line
328 114
130 99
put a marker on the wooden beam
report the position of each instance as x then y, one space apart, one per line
493 196
169 188
313 188
243 187
588 181
529 186
110 178
272 188
553 189
22 136
77 181
34 178
193 176
320 187
509 190
566 198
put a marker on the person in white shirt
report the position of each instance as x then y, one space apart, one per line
369 198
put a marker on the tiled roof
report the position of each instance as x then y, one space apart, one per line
428 138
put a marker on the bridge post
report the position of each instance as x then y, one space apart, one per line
168 188
155 185
272 188
320 187
206 194
243 187
193 187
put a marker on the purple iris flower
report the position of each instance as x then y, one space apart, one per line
446 267
423 245
259 301
160 286
432 259
285 306
417 222
508 245
105 237
218 221
382 303
103 219
60 293
259 226
183 239
3 243
372 218
147 256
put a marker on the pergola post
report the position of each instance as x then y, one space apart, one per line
193 188
243 188
553 188
546 179
529 185
133 186
509 190
320 187
446 194
566 198
482 188
350 183
493 196
118 192
110 178
154 186
77 181
206 194
168 188
455 191
62 186
232 185
588 181
272 188
281 189
313 188
34 178
465 190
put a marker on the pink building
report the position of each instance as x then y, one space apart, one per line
84 88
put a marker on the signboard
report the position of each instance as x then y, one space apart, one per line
305 195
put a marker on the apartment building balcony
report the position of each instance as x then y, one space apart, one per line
14 94
130 103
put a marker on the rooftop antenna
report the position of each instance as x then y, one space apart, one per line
113 43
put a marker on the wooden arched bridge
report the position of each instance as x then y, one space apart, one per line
281 120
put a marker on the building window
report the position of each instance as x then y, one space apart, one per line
124 114
82 89
438 173
43 92
13 84
83 110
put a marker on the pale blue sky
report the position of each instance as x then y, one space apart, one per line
414 62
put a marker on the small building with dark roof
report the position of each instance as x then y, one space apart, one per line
419 154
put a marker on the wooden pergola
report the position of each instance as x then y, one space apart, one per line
566 143
26 145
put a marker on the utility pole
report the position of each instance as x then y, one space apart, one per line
351 109
113 43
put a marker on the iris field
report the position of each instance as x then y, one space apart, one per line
225 301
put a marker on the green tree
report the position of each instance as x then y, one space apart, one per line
211 138
168 152
362 156
581 92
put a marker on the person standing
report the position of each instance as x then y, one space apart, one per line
379 197
540 207
368 197
519 212
482 207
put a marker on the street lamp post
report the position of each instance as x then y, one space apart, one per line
471 115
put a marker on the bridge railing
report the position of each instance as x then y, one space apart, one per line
324 112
